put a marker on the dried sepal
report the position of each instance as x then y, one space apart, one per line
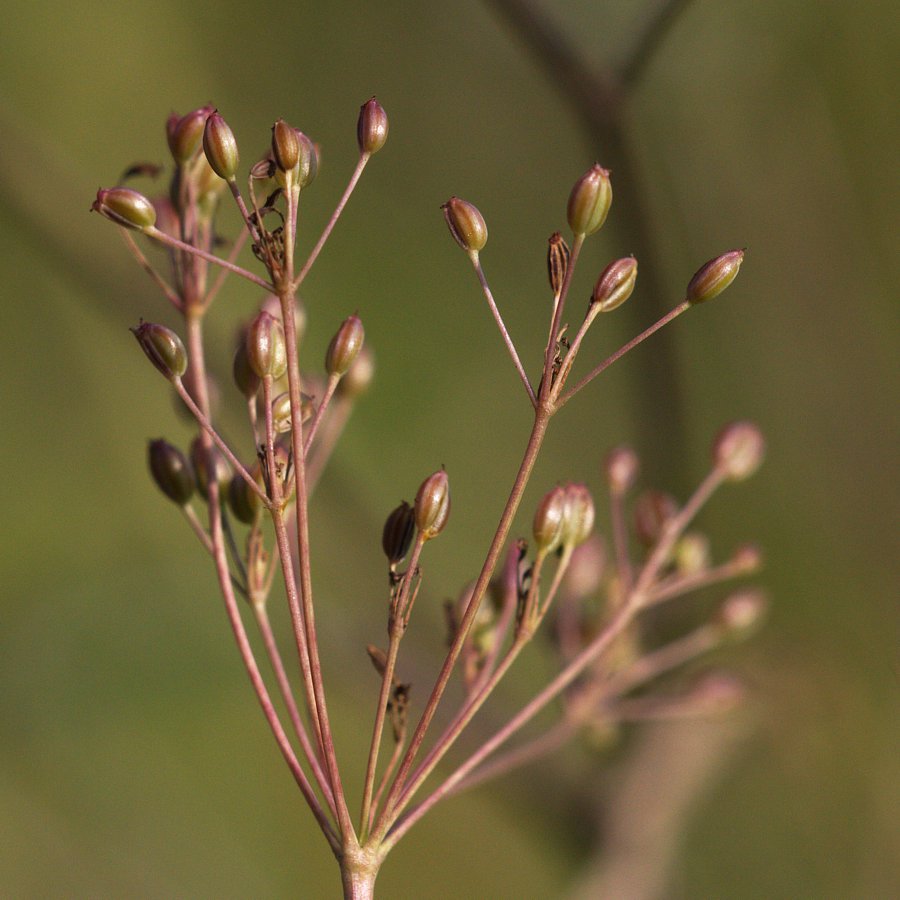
557 262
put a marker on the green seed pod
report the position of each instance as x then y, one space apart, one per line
692 553
578 516
344 346
589 201
557 261
220 147
371 127
652 511
622 467
163 348
266 351
738 450
615 284
713 277
285 146
125 207
466 224
549 520
185 134
306 167
221 470
359 376
308 164
397 534
281 411
432 506
243 501
171 471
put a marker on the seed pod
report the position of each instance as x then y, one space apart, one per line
615 284
220 470
621 466
245 378
371 127
308 163
185 134
652 510
397 534
125 207
742 612
578 518
266 351
692 553
281 411
163 348
713 277
549 520
432 506
243 501
171 471
589 201
466 224
557 261
220 147
738 450
285 146
344 346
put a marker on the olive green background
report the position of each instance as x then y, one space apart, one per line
135 762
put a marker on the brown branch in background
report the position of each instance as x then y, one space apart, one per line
600 100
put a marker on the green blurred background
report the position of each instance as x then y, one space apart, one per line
134 759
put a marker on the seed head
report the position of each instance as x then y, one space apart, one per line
344 346
466 224
738 450
125 207
549 521
220 147
578 520
163 348
266 351
589 201
432 506
285 146
615 284
397 534
371 127
622 467
185 134
713 277
171 471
